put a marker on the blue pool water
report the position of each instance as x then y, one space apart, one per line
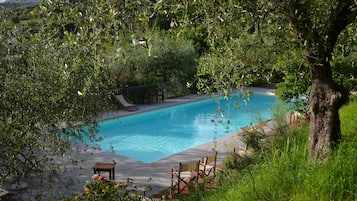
154 135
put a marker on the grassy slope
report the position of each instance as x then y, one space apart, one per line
286 173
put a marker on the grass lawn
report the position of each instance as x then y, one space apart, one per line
283 171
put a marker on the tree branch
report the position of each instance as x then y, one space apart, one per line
344 14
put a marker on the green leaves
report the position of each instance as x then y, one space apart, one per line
233 37
296 79
161 58
51 79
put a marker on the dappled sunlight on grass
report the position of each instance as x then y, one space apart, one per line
284 171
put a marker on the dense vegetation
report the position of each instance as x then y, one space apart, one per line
276 168
283 171
61 60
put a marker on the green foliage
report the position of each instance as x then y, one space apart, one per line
348 115
253 139
235 53
345 59
49 81
159 59
345 71
334 180
25 17
279 113
210 78
353 98
286 173
234 66
236 162
57 77
99 189
296 81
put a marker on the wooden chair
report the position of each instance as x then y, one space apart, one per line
209 165
186 174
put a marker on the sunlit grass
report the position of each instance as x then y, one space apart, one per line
348 116
284 172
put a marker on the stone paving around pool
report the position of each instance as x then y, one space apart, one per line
157 175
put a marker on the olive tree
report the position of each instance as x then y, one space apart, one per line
53 85
312 26
235 51
318 25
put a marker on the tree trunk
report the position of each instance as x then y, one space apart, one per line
326 98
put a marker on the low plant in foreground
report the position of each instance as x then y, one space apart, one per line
100 189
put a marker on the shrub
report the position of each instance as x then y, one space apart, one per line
279 113
253 139
287 174
236 162
159 59
100 189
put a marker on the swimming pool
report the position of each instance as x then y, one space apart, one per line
154 135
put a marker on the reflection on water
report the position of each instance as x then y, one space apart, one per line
154 135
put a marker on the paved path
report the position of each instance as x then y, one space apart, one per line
156 174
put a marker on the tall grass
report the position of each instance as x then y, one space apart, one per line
285 173
333 180
337 178
348 116
274 178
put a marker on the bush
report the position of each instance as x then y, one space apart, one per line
158 59
100 189
287 174
236 162
253 139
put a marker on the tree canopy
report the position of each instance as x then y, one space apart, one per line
55 76
50 80
312 28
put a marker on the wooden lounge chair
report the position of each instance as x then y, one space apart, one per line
186 174
209 165
123 101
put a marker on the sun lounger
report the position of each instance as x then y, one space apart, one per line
3 192
123 101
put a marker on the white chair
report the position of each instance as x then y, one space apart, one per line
123 101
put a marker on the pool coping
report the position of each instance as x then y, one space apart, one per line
172 102
159 171
156 175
